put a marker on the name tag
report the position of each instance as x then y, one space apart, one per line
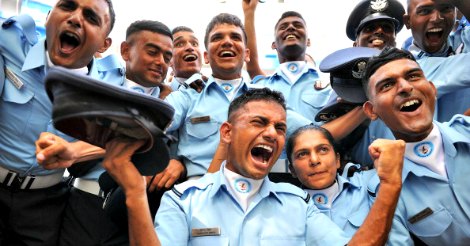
201 119
421 215
13 78
201 232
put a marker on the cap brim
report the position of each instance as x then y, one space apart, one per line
96 112
333 110
350 90
339 58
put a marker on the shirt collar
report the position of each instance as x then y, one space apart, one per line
449 137
36 56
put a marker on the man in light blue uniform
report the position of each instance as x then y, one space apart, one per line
434 202
33 198
431 22
147 52
239 205
198 116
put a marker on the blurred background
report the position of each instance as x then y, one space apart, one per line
326 20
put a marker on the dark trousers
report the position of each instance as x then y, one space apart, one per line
86 223
31 217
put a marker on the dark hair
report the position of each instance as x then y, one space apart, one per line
112 15
181 29
263 94
224 18
387 55
291 141
148 25
289 14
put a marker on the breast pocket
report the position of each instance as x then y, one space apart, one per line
314 101
209 241
433 225
17 107
202 130
356 219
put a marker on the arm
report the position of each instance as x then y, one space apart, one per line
388 160
54 152
252 67
344 125
168 177
117 163
220 156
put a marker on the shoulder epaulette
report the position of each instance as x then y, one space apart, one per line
181 188
24 23
292 189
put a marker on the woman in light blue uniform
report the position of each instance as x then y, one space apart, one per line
315 160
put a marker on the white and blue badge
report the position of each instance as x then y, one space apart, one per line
293 67
320 198
424 149
379 5
227 87
242 185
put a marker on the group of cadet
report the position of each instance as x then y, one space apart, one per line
380 154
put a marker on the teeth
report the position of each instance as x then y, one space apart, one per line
377 42
435 30
266 147
409 103
223 53
291 36
190 57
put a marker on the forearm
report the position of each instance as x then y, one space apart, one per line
375 229
253 68
84 151
219 157
344 125
141 230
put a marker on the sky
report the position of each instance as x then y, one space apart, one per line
326 20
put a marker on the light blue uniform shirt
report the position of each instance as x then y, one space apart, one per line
451 73
352 204
197 119
301 97
25 108
280 214
449 199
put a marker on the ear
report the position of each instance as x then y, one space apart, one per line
292 171
247 55
406 21
273 46
226 132
107 43
369 110
206 57
125 50
433 88
338 161
308 42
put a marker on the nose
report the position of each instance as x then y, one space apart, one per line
437 16
404 87
378 30
75 19
314 160
270 133
227 41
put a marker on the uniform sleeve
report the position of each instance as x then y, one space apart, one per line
448 74
321 230
294 121
399 234
180 100
170 222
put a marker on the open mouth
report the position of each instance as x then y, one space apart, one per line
68 42
262 153
227 53
434 34
190 58
290 37
410 106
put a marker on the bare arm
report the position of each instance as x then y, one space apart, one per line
388 160
54 152
219 157
344 125
118 164
252 67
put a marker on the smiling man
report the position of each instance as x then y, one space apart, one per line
431 22
434 201
32 198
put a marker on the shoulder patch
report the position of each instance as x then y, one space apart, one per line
181 188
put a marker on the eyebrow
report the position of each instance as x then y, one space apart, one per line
157 47
388 79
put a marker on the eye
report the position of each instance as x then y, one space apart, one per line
324 149
179 45
67 5
195 44
281 128
387 85
414 76
301 154
424 11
